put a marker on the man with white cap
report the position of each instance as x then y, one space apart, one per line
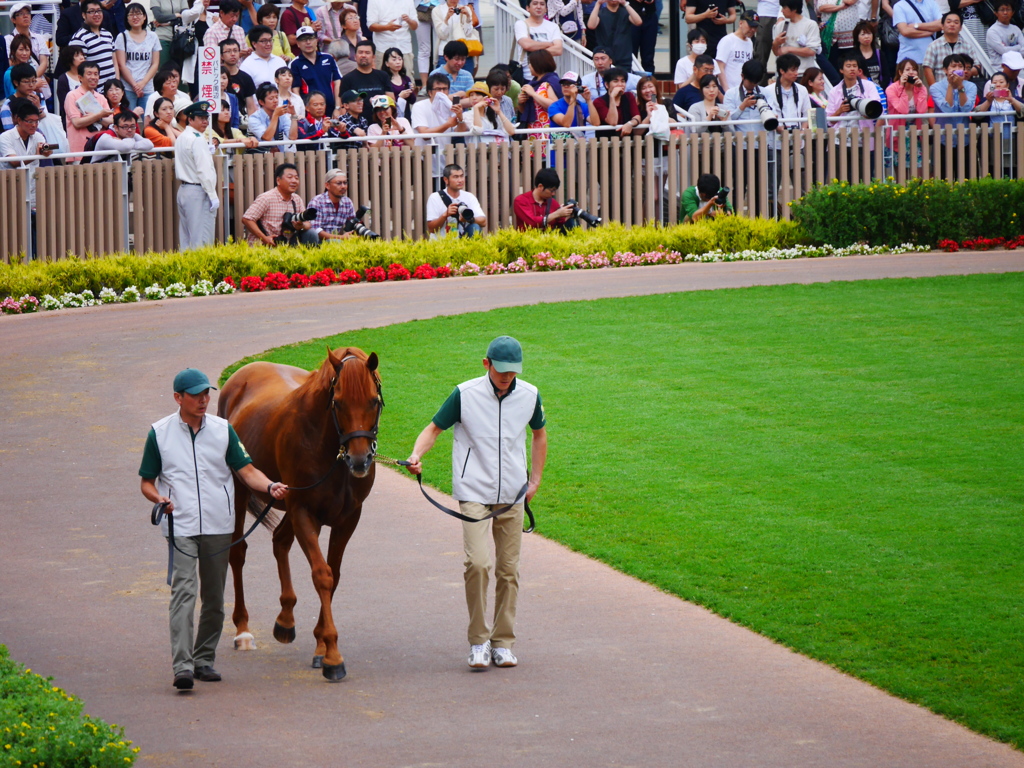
198 198
21 18
490 415
315 71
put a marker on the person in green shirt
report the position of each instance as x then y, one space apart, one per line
701 200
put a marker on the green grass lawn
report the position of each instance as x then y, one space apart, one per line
838 467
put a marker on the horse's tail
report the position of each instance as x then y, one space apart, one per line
255 507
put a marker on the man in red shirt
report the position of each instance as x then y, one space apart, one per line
538 209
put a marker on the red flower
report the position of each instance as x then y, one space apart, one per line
299 280
230 281
376 275
253 283
424 272
444 271
348 276
398 272
325 276
949 246
276 281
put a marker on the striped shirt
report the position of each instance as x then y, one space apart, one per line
98 48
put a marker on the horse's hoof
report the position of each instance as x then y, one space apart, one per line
245 642
284 634
333 672
318 662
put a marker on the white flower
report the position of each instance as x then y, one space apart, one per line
108 296
155 292
176 291
130 294
224 287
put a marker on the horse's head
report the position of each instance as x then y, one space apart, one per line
356 404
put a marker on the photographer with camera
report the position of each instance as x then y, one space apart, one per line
705 200
333 207
279 216
538 209
747 101
854 95
453 209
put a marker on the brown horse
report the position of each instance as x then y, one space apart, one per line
317 432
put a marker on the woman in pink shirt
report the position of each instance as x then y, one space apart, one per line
906 95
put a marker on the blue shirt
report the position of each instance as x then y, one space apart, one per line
318 76
579 118
461 83
902 12
938 94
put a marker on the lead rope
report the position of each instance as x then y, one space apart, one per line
521 496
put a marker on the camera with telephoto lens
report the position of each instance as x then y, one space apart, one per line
867 108
355 224
466 213
288 230
769 119
578 214
722 197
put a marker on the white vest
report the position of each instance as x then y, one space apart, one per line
196 476
489 451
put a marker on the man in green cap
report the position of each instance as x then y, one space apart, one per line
187 464
490 415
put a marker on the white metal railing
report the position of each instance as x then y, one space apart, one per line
574 56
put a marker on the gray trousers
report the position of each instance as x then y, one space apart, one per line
195 219
197 649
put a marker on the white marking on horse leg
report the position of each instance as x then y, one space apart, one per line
244 641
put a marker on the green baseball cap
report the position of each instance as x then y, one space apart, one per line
506 354
191 381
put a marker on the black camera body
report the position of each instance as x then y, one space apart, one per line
355 224
288 230
289 219
579 214
722 197
466 213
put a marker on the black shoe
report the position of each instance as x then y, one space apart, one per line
207 675
183 681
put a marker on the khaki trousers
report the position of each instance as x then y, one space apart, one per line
507 532
201 651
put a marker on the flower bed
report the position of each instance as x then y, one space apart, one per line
542 262
41 725
982 244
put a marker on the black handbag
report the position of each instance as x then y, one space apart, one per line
888 37
183 43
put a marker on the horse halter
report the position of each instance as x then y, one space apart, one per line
344 437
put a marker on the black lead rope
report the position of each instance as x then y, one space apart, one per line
159 510
521 496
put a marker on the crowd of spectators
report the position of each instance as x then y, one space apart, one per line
123 77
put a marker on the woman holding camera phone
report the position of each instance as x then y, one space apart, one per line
907 95
386 124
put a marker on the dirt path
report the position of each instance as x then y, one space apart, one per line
613 672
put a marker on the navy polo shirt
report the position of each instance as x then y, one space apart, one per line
316 77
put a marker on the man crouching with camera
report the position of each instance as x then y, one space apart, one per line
453 209
705 200
336 215
278 216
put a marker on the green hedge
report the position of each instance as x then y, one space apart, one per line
505 246
41 725
920 212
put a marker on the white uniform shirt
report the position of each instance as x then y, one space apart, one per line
11 145
193 162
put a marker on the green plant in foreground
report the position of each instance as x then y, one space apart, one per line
41 725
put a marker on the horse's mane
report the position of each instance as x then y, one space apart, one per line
319 381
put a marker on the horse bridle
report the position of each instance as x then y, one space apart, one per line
344 437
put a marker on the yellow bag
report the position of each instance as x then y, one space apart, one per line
476 47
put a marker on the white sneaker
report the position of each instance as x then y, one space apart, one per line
480 655
503 657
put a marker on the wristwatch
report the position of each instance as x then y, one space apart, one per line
916 25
